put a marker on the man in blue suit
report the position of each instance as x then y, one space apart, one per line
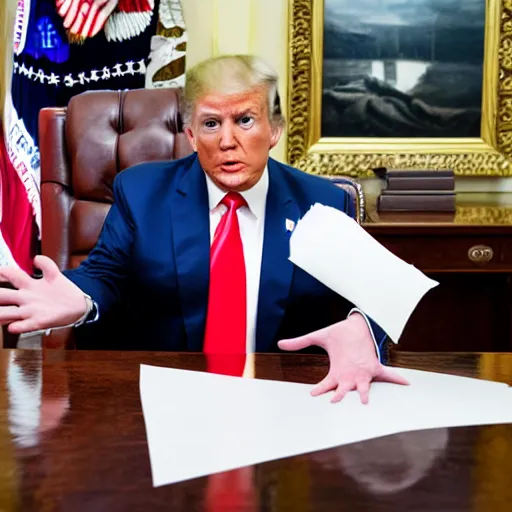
198 248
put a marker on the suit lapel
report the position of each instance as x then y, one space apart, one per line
276 269
191 235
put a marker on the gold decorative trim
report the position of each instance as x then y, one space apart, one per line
486 215
489 155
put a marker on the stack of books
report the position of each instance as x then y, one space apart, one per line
416 190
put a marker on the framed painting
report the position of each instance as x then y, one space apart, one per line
400 83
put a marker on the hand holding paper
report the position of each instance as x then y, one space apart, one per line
333 248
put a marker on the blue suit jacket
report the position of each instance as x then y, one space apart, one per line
149 271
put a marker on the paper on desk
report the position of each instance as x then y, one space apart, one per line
199 423
333 248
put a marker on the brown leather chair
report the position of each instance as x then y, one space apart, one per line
85 145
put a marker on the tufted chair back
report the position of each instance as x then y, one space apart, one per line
84 146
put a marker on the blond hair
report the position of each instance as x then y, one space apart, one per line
231 74
7 15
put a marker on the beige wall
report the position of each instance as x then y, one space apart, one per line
259 27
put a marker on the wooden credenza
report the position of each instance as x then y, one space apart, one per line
470 254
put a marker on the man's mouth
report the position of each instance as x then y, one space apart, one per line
232 166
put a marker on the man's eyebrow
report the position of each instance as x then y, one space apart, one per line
237 114
245 111
208 113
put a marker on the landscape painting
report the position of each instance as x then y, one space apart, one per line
403 68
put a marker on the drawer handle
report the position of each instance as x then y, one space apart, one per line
480 254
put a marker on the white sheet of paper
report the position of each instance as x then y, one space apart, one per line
333 248
199 423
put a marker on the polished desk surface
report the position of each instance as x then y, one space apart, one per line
72 438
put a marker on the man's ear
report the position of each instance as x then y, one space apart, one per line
277 131
190 136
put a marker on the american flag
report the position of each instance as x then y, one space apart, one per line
121 19
159 64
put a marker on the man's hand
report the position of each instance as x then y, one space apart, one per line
353 361
52 301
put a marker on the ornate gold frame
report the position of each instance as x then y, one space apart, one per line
489 155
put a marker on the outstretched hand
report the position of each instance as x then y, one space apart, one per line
51 301
353 362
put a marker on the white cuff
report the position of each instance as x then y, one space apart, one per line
357 310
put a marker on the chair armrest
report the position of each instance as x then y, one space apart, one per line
355 191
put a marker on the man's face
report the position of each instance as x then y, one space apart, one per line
232 135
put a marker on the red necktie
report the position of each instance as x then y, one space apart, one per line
232 490
226 320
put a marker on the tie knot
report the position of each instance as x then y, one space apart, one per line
233 200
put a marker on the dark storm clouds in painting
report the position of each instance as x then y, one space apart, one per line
403 68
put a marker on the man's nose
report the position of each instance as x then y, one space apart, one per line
227 137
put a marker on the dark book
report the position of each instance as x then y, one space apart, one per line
433 182
419 173
386 173
417 202
388 192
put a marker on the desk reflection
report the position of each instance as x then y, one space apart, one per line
391 464
72 437
38 400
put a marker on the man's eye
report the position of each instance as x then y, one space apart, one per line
210 124
246 121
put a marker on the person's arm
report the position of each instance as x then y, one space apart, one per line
377 333
354 349
57 299
102 275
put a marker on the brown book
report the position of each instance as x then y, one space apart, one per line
384 173
420 183
417 202
417 192
420 173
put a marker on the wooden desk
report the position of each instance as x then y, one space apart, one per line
72 438
470 254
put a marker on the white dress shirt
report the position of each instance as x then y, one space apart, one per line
251 220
